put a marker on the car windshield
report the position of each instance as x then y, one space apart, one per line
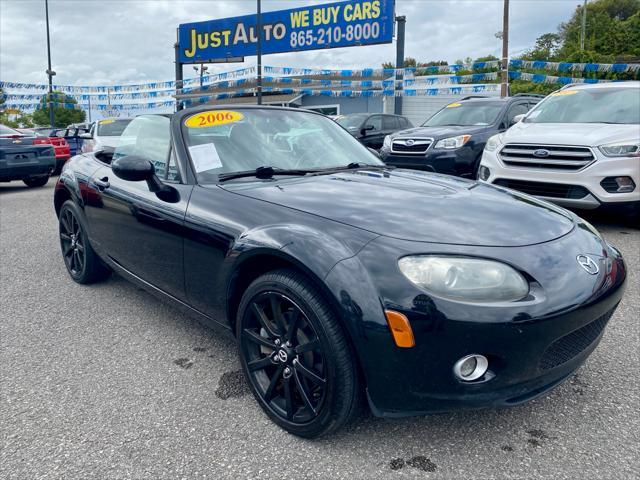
4 130
112 128
589 105
239 140
465 114
351 121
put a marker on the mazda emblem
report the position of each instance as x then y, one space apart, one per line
589 264
542 153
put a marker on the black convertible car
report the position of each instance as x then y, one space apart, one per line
342 279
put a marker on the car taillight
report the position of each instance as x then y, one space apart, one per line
42 141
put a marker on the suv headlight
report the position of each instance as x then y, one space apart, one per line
387 142
465 279
453 142
624 149
493 143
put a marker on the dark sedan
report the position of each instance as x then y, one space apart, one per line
370 129
453 139
25 157
342 279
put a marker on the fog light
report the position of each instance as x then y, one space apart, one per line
618 184
471 367
484 173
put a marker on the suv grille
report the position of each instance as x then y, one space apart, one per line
567 347
412 146
539 189
546 156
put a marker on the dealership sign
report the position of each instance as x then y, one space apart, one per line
342 24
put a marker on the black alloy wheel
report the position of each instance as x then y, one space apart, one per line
72 243
81 261
295 357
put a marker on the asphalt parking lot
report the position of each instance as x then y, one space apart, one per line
106 382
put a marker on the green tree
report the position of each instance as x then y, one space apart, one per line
62 116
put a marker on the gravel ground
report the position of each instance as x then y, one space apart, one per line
106 382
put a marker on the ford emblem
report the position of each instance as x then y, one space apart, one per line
542 153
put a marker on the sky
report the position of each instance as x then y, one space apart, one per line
97 42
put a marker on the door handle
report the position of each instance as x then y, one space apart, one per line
102 184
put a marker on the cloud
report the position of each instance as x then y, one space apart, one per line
97 42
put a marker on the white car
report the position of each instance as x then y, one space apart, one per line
579 148
104 133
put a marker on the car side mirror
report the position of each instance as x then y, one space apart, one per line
85 136
375 152
366 128
134 168
517 118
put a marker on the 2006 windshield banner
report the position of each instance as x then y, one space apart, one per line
341 24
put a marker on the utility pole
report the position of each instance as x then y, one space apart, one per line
179 73
50 72
584 25
397 101
259 51
504 89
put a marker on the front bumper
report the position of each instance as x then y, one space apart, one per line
532 346
460 162
586 193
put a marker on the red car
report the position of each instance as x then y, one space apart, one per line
60 145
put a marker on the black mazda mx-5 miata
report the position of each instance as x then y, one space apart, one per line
342 279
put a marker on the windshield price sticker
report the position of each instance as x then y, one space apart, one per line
106 122
454 105
562 93
213 118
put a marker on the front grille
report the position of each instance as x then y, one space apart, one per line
540 189
411 146
552 157
567 347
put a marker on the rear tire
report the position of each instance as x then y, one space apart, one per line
295 356
82 262
32 182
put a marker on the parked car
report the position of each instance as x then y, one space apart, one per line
73 137
579 148
103 133
60 145
341 278
25 157
371 129
452 140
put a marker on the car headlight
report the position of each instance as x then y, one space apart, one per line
453 142
465 279
387 142
624 149
493 143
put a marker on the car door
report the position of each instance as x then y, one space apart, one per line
133 226
373 133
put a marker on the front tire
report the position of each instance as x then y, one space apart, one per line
32 182
297 361
82 262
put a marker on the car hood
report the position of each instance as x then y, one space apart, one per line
439 132
579 134
418 206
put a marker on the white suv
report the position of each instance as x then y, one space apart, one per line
579 148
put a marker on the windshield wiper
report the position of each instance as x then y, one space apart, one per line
263 172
